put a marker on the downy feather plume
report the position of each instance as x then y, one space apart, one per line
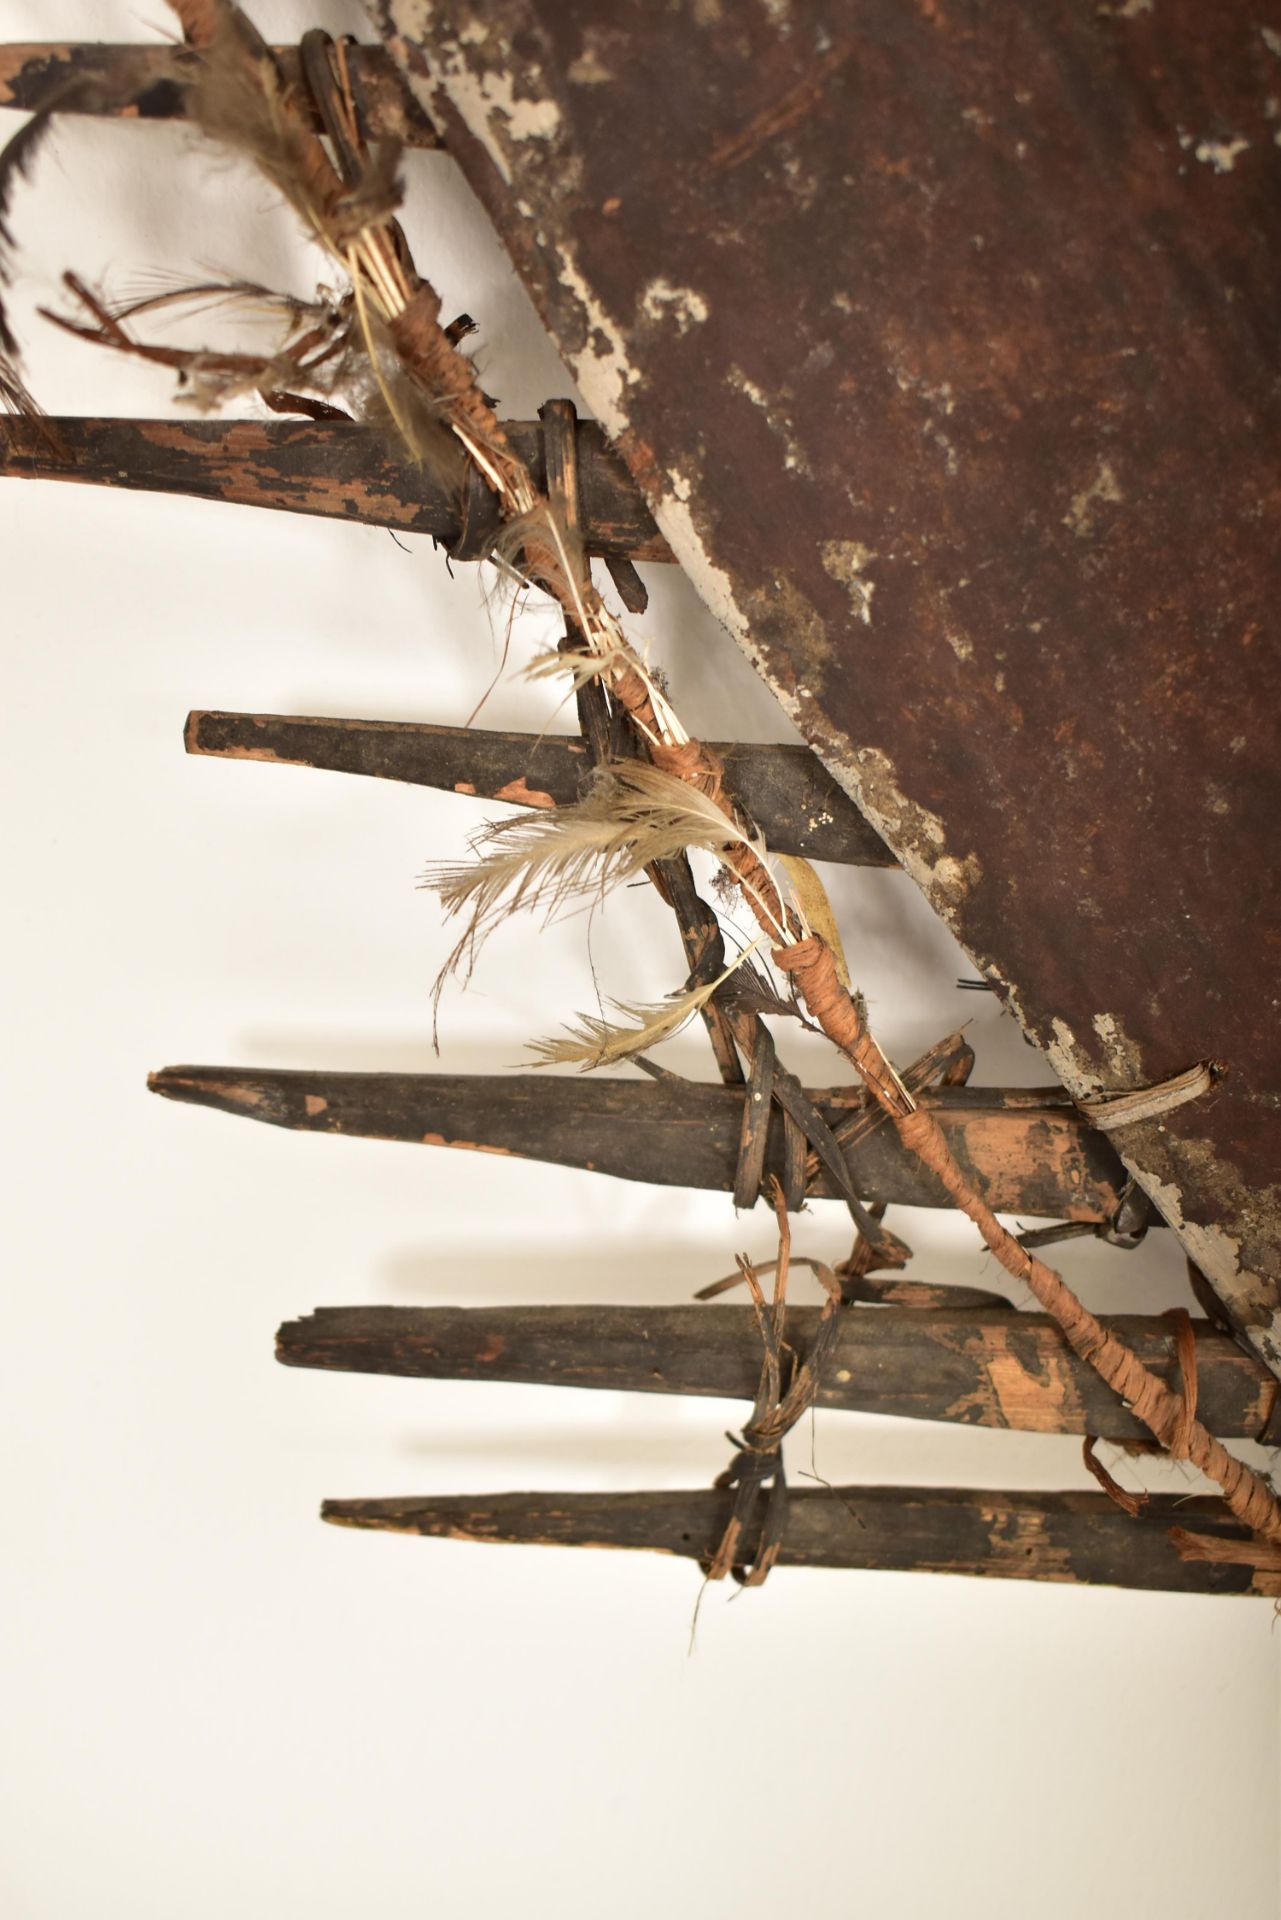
16 161
239 97
631 815
596 1042
310 358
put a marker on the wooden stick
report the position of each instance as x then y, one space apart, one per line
335 469
973 1367
786 790
1075 1538
150 83
1031 1156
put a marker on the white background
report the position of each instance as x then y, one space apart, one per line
214 1705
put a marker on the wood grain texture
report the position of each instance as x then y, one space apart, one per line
1036 1156
786 790
1066 1538
337 470
969 1367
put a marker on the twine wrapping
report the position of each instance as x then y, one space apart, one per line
1164 1413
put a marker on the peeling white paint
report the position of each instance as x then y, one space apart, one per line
940 396
844 560
1122 1055
951 459
917 835
1063 1056
712 583
1081 515
491 112
1218 1255
775 413
589 70
661 300
757 395
1214 1251
1222 155
601 367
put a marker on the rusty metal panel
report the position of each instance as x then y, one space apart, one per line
942 338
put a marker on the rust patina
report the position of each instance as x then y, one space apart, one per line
942 341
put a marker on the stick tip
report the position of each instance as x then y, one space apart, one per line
169 1082
343 1513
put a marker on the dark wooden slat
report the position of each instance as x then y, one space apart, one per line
337 470
1078 1538
150 82
973 1368
786 790
1025 1158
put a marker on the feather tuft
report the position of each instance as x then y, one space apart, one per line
631 815
596 1042
17 158
582 668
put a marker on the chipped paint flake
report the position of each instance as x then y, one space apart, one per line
1222 155
1123 1057
845 560
1082 514
916 834
1218 1255
776 414
1251 1296
488 105
601 366
662 301
588 70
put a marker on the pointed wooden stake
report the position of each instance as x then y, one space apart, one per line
969 1365
1028 1150
786 790
1075 1538
339 470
